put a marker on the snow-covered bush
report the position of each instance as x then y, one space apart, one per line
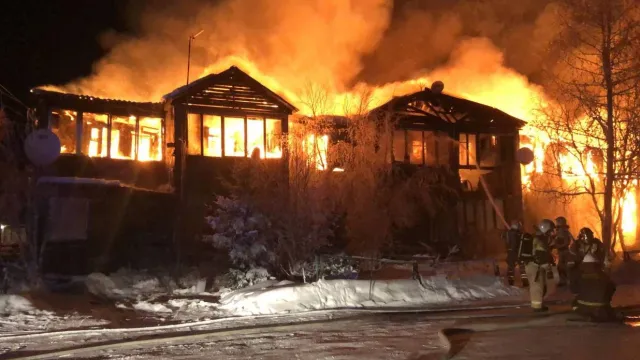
245 234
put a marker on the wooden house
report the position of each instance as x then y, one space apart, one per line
179 150
469 140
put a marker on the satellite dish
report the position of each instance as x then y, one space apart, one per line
42 147
437 87
524 155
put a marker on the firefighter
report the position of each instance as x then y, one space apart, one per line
512 241
538 260
561 242
585 244
595 291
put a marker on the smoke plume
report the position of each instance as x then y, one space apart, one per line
476 47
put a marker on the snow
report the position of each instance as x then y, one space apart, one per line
149 307
20 315
333 294
133 284
11 304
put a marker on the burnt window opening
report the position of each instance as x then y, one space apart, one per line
415 145
218 136
467 150
108 136
124 143
63 123
212 135
95 135
422 147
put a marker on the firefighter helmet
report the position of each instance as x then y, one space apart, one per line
546 226
585 234
561 221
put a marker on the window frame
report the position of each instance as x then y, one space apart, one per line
429 137
247 153
80 129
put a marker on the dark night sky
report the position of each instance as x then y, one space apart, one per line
53 41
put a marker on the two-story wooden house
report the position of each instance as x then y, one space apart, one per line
469 140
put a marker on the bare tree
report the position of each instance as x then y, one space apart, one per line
595 91
350 182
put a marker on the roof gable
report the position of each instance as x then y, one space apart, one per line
231 89
447 109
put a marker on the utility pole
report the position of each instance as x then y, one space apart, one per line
191 38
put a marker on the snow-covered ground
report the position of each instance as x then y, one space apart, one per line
286 297
340 334
19 315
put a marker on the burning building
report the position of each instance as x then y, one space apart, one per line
476 143
147 153
183 148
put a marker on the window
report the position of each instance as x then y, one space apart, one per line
63 124
467 149
274 139
416 151
488 150
255 137
95 134
234 137
194 134
123 137
399 149
261 137
150 139
105 135
212 140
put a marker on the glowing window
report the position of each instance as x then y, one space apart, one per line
95 134
255 137
212 140
150 139
123 137
63 124
415 147
467 149
194 136
234 135
274 139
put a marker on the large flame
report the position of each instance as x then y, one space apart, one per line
297 43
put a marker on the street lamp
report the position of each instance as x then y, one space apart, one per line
191 38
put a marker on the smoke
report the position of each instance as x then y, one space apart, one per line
423 35
481 49
319 41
